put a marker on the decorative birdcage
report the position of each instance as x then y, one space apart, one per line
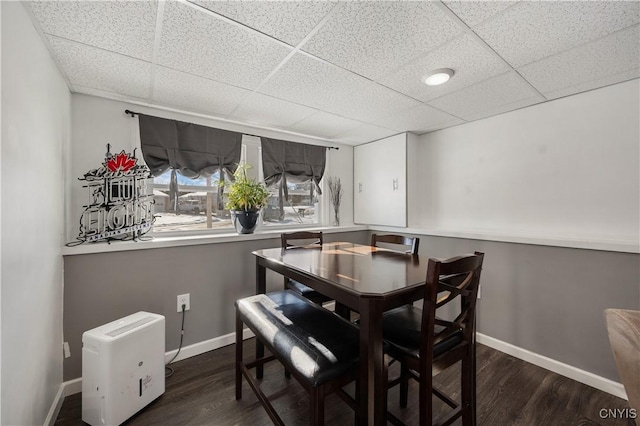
118 207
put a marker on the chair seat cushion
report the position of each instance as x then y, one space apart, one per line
401 331
307 338
307 292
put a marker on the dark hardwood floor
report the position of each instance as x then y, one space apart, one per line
510 392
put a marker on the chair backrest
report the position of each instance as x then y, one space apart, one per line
302 238
455 277
410 244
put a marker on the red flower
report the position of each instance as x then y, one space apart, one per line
121 162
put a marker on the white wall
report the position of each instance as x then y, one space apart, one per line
35 134
568 168
98 121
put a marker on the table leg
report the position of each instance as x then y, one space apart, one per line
373 372
261 288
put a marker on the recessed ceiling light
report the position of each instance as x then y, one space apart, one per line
436 77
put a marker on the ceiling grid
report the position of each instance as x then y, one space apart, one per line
346 72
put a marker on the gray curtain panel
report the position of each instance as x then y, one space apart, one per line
296 162
191 149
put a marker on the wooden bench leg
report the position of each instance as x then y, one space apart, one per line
317 406
239 325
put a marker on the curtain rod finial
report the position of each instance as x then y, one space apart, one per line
133 114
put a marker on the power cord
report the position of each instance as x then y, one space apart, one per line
170 370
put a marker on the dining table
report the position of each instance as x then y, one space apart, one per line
365 279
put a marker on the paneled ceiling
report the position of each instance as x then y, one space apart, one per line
347 72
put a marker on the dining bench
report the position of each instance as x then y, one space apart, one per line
318 347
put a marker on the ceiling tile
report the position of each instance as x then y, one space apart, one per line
101 24
263 109
488 95
325 125
373 38
475 12
419 119
289 21
309 81
370 102
100 69
530 31
500 109
195 93
201 44
614 58
471 62
365 133
593 84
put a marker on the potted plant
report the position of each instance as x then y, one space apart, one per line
246 196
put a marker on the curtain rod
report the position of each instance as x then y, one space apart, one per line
133 114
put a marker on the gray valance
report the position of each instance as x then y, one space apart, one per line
296 162
189 148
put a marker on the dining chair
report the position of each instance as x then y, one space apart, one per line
401 243
426 344
303 240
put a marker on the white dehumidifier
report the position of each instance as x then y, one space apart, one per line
122 368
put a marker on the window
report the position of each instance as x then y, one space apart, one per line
302 206
199 209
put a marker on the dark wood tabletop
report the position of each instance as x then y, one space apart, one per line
366 279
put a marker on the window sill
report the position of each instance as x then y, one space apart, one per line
192 240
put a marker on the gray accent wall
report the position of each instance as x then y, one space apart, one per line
103 287
549 300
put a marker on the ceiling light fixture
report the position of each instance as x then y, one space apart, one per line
436 77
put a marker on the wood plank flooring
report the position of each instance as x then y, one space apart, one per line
510 392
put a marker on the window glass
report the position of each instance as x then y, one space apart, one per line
197 208
300 208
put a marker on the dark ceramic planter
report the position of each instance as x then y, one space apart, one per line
245 222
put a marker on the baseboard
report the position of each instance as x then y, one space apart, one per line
75 386
55 407
206 346
72 386
566 370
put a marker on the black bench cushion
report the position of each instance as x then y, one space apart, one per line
307 338
401 332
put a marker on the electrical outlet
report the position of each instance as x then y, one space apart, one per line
184 299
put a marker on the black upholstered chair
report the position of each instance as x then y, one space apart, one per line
401 243
303 240
425 344
319 348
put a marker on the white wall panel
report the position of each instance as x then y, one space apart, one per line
564 169
35 136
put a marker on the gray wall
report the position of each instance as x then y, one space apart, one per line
100 288
550 300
